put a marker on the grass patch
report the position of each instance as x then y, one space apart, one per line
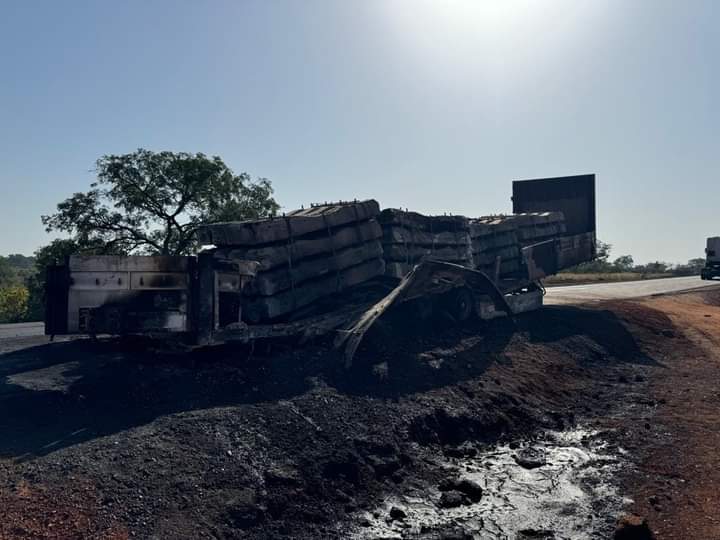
607 277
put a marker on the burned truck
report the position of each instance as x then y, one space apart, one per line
332 268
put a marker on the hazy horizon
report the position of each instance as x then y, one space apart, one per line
433 106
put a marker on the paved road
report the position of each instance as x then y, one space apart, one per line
21 330
628 289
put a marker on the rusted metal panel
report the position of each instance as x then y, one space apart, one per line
574 196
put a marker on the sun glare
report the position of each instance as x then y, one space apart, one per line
488 39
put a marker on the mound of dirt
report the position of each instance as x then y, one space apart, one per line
288 445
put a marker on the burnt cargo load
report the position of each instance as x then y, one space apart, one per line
497 241
323 269
411 237
302 256
491 244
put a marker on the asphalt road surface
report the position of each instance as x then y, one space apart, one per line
627 289
21 330
555 295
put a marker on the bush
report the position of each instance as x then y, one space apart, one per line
13 304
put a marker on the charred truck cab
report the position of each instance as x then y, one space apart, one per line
200 299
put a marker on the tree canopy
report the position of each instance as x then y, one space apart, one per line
14 269
13 304
153 203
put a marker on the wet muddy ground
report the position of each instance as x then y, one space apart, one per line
109 440
559 485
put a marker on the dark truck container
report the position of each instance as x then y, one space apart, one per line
712 259
199 298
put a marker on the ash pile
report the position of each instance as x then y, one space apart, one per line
304 255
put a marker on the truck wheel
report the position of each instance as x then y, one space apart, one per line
459 303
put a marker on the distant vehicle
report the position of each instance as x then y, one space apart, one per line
712 259
204 299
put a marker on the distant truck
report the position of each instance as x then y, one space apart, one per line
712 259
207 299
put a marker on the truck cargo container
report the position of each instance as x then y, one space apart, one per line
712 259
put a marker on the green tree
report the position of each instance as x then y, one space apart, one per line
6 272
624 263
13 304
56 252
656 267
14 269
147 202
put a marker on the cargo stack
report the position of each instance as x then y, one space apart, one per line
536 227
305 255
495 242
504 236
410 237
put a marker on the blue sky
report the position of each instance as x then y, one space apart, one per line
431 105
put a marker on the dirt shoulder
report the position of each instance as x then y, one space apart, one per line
110 440
676 446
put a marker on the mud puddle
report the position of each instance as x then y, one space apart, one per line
559 486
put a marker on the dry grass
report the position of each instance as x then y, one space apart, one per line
578 279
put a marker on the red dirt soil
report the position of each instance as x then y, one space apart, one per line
677 485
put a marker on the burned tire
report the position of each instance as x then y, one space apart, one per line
459 304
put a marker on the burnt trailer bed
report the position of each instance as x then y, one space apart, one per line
199 299
201 304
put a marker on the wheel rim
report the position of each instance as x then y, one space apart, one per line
462 305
